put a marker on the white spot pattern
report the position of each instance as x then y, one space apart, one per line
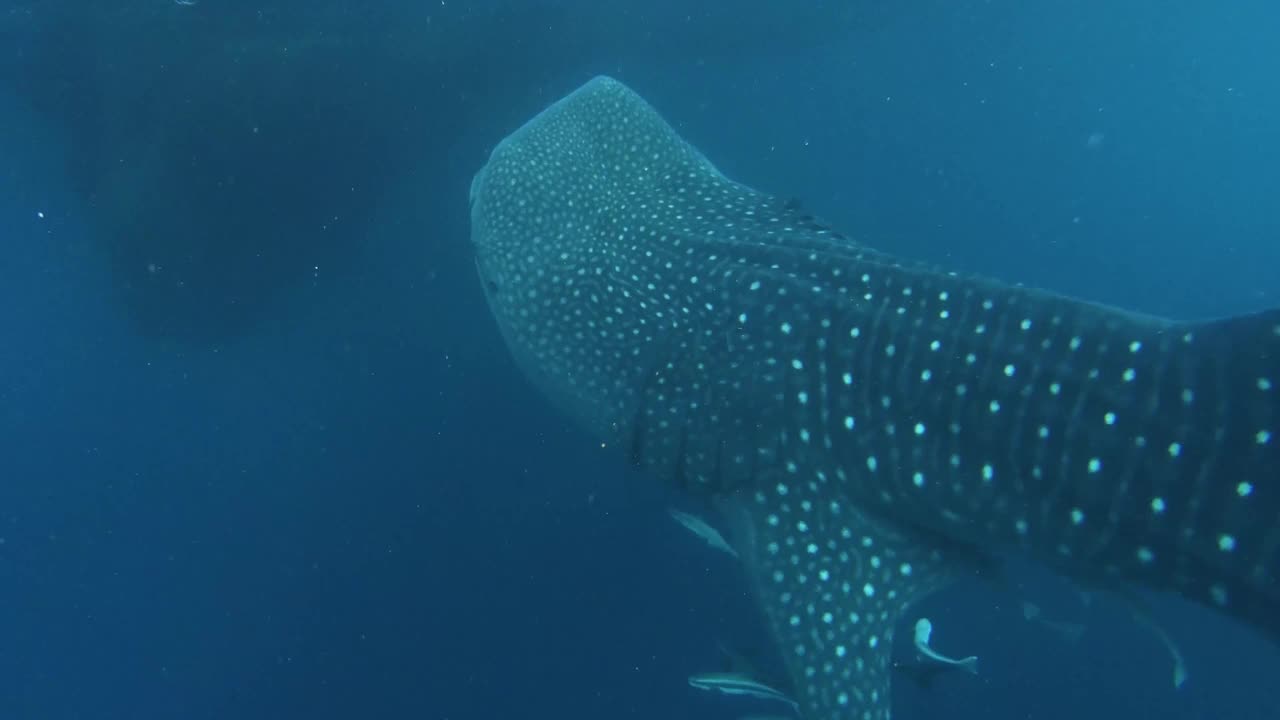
714 334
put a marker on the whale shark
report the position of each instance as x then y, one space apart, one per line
869 427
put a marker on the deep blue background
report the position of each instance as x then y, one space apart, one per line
360 509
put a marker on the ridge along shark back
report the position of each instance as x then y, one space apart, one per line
869 425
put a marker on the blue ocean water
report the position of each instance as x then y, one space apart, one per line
263 454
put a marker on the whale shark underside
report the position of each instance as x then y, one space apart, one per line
870 426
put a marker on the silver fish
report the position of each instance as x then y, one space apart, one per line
923 629
869 425
738 684
702 529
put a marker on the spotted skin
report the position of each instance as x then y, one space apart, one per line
869 424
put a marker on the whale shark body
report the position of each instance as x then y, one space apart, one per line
870 426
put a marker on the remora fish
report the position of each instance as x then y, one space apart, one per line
868 422
923 629
738 684
702 529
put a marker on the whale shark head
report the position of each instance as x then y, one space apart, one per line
868 426
576 216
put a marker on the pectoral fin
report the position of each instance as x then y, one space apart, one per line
833 583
